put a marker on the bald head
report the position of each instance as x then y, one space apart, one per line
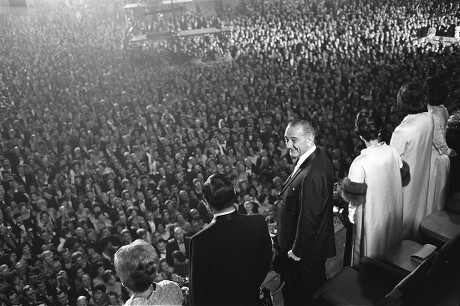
82 301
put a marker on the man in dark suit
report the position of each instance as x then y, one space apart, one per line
305 217
231 257
178 243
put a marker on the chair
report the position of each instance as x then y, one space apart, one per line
442 279
399 256
273 285
439 227
368 286
433 282
405 290
371 285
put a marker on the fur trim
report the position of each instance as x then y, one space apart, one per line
405 174
353 192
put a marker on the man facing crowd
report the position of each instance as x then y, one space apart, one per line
231 257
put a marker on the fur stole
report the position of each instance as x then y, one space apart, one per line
353 192
405 174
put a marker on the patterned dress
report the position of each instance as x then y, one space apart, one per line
440 162
165 293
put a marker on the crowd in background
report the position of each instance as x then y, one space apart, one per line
102 143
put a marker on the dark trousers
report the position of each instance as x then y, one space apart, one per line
302 279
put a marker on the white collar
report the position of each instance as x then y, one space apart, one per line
304 157
224 213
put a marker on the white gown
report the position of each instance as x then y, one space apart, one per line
413 139
379 221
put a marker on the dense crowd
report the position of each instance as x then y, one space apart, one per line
102 144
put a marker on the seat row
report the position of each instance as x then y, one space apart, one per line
401 279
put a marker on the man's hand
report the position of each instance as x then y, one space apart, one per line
292 256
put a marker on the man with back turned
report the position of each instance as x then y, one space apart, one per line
305 217
231 257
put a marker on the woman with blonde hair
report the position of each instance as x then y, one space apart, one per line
136 265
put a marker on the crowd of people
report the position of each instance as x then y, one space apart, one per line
102 144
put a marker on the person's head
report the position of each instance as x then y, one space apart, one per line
30 293
109 277
18 218
135 264
435 90
113 297
141 234
62 277
57 266
248 206
161 245
368 124
194 214
47 257
41 286
126 235
62 297
78 258
163 265
99 292
86 280
411 99
82 301
299 137
12 296
178 257
179 234
218 192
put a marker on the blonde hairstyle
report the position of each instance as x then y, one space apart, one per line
136 264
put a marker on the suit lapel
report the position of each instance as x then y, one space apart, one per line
302 166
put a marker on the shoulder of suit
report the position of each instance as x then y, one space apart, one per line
205 231
252 216
251 219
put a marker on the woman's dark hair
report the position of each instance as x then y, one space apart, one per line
368 124
107 274
411 99
218 191
262 198
435 90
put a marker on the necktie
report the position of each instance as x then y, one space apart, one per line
292 173
295 168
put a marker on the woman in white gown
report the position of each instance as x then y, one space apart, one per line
373 189
436 93
413 139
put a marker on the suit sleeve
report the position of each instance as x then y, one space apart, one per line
311 209
199 263
170 247
265 251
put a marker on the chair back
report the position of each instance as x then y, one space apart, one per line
408 287
447 261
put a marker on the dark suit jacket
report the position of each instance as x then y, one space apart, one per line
173 246
305 216
84 292
229 260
